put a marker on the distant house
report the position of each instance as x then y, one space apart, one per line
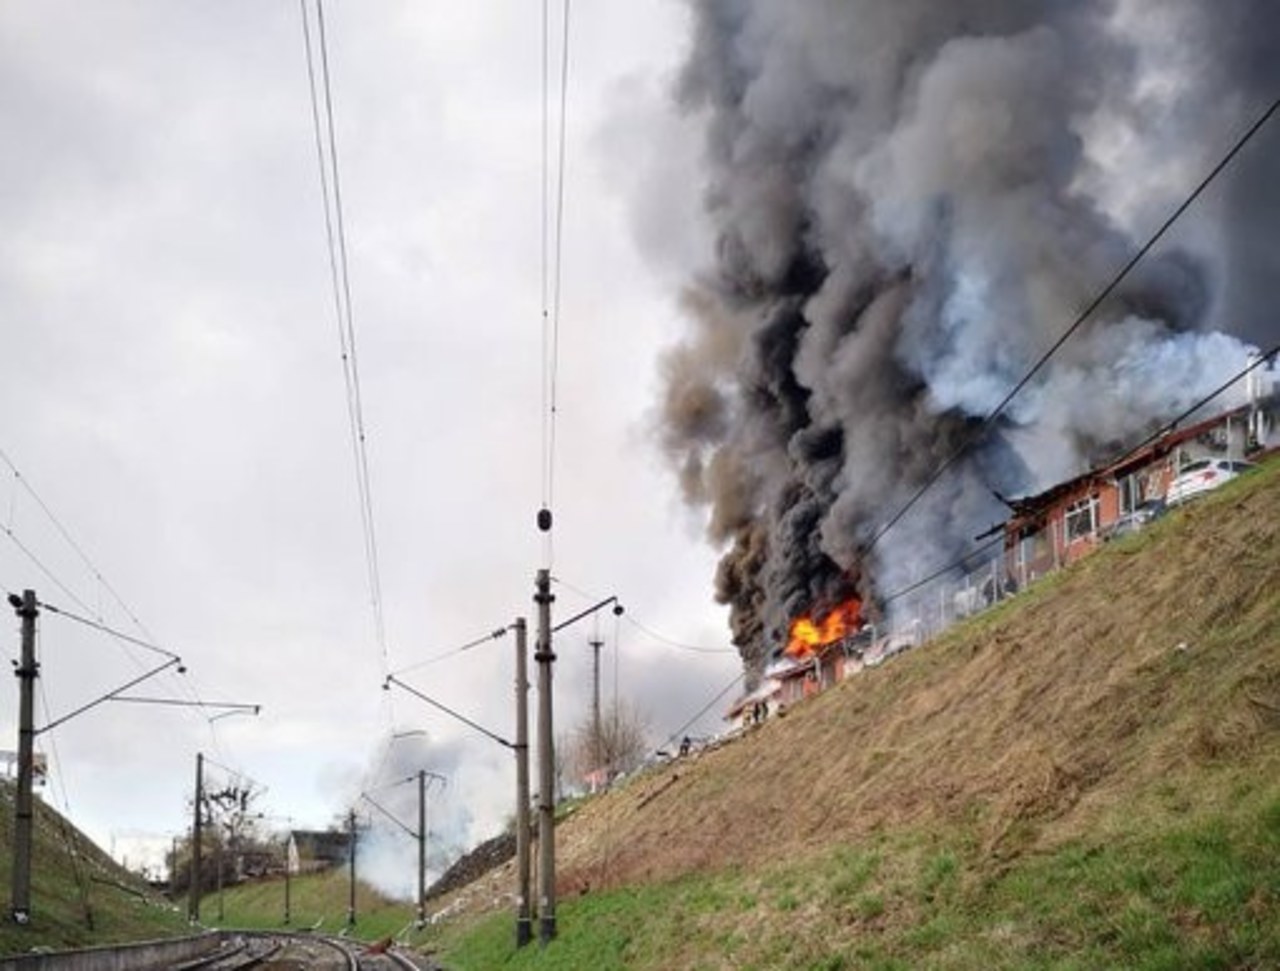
312 850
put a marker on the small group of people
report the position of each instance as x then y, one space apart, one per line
759 712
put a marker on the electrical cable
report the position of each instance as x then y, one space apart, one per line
942 571
340 278
1155 436
662 639
703 710
969 440
551 265
643 628
79 550
1173 423
183 686
26 551
559 258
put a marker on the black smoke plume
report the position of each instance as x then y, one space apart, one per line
910 201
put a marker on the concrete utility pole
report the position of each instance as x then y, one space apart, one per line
524 926
287 880
351 899
27 672
193 891
422 846
546 765
597 739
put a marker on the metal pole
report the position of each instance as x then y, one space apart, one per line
546 765
422 846
524 926
597 738
193 890
27 672
351 899
222 914
287 867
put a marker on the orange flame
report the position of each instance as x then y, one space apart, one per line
807 635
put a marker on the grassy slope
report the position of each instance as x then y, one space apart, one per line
316 901
1087 776
76 903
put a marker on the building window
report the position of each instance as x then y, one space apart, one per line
1130 493
1081 519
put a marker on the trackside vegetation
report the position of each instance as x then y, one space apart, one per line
1087 776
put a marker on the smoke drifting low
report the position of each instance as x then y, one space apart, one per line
911 201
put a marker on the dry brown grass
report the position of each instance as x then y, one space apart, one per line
1036 721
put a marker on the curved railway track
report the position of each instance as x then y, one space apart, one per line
273 951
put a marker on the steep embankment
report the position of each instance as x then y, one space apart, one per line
79 895
1154 660
1124 712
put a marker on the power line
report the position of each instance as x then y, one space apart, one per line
973 436
27 552
662 639
1163 430
644 628
703 710
942 571
552 258
336 240
559 257
79 551
1221 389
183 685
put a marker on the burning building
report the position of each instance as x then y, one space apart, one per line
911 201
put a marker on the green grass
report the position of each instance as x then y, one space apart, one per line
1202 894
77 899
316 901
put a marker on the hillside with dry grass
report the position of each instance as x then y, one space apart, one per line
1126 702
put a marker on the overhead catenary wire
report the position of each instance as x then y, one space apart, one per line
183 685
552 258
321 92
39 565
558 263
76 547
973 436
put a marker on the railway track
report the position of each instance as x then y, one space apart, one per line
296 952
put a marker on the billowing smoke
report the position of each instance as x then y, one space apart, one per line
911 201
387 856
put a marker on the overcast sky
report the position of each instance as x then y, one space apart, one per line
170 386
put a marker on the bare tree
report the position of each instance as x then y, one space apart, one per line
600 749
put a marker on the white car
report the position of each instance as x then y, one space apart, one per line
1202 476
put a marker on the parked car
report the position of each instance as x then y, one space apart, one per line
1202 476
1135 519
